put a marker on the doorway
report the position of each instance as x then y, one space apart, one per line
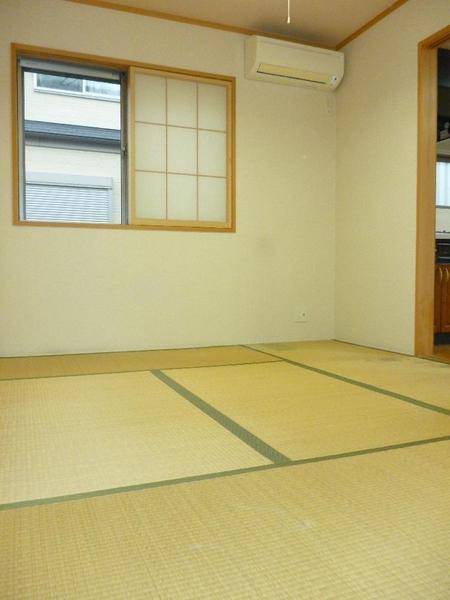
426 192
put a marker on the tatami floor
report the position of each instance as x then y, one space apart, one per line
310 470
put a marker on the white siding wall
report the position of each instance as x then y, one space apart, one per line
443 219
63 108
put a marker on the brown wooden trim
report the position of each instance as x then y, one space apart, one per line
124 226
199 22
230 153
371 23
426 210
130 66
192 224
197 137
436 39
133 175
15 140
232 177
426 190
131 146
99 60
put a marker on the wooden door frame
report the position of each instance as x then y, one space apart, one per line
426 190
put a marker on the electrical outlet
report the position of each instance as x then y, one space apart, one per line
301 315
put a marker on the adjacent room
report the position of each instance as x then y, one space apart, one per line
225 299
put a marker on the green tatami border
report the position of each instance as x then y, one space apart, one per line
361 384
243 434
192 478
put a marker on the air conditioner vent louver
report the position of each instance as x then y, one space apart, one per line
277 71
293 64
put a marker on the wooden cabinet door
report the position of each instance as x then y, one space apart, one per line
445 296
438 279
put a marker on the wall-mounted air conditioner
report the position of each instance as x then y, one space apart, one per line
293 64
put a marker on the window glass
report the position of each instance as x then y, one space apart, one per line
443 183
101 88
75 85
62 198
67 150
58 82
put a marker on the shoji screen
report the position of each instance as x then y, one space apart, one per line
182 142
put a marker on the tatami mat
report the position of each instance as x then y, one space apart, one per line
421 379
74 434
361 528
115 362
303 414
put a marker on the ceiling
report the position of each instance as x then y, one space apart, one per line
325 22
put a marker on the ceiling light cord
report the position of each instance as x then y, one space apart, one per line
288 20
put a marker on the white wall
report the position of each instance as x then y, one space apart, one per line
79 290
376 178
443 219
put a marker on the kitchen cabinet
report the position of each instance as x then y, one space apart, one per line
442 298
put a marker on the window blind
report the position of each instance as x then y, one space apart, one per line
68 203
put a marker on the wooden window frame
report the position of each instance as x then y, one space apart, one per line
18 50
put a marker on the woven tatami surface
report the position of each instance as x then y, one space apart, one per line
361 528
304 414
115 362
372 525
422 379
75 434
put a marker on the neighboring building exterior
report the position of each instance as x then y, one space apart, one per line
77 132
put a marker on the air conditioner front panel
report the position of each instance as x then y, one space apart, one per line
292 73
293 64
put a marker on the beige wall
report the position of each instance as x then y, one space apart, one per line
71 290
376 178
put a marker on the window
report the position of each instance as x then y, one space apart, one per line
70 147
443 182
123 146
88 88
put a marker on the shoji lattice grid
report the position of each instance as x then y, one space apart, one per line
181 149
